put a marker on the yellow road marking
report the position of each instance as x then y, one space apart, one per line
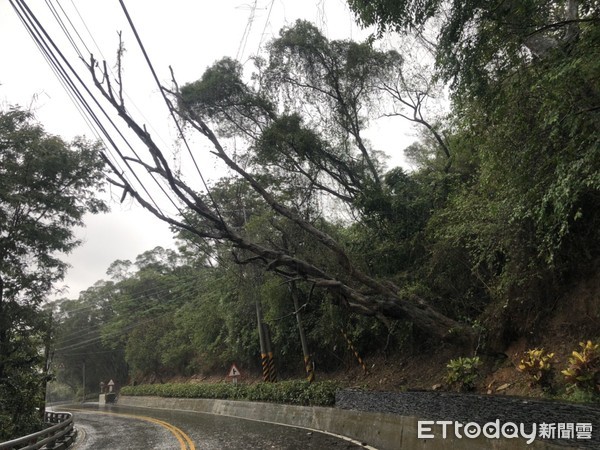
184 440
180 435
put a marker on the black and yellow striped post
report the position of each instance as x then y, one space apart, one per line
309 367
264 357
264 360
271 369
351 347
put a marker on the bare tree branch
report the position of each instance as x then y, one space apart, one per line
343 280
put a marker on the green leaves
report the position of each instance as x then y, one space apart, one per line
525 214
480 43
222 95
584 367
396 15
287 137
289 392
46 187
462 372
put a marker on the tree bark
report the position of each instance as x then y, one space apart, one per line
346 280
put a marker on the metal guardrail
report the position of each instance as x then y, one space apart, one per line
48 437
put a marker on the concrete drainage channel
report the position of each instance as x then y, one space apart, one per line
378 430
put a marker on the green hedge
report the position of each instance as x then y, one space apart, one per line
290 392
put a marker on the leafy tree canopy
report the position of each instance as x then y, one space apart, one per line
479 41
489 201
46 187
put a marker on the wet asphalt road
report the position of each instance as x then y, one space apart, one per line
114 428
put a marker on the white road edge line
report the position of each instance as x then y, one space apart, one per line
340 436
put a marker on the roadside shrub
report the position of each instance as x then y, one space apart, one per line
290 392
462 373
574 394
537 364
584 367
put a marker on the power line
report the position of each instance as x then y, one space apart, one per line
70 78
131 312
246 34
322 15
179 287
97 47
51 50
62 25
48 49
181 213
113 334
167 102
262 35
75 102
90 353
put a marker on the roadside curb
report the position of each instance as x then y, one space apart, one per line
379 430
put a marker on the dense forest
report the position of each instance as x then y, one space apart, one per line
473 246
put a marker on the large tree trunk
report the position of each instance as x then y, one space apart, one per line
387 304
427 319
345 280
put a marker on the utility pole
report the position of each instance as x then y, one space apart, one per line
272 371
3 331
261 337
46 371
83 400
266 351
308 364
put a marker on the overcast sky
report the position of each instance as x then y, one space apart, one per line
189 36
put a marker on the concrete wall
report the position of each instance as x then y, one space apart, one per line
382 431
